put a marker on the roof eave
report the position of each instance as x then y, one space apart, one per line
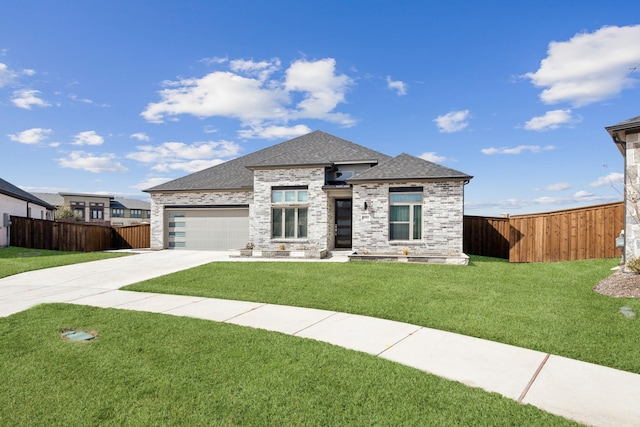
423 179
192 190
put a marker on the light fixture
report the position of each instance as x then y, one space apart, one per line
365 206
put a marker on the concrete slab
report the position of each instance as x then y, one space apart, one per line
475 362
361 333
110 299
159 303
215 309
591 394
289 320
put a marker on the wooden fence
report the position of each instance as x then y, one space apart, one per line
573 234
73 236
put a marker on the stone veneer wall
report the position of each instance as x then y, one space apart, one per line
193 199
443 212
260 220
632 197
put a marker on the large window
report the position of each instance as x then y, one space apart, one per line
117 213
97 211
405 213
289 212
136 213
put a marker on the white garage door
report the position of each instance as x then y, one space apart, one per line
212 229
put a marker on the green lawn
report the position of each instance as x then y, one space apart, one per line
14 260
548 307
152 369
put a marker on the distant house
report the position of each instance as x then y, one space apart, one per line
626 136
17 202
315 191
102 209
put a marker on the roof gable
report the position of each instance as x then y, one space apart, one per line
315 148
407 167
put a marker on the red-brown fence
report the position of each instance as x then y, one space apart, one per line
73 236
573 234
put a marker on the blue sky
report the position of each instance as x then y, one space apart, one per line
115 97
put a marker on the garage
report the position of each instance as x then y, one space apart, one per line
207 229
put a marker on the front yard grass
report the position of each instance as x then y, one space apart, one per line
549 307
153 369
15 260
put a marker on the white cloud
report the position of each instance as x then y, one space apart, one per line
608 180
551 120
397 85
140 136
31 136
274 132
91 163
150 182
453 121
27 98
29 72
262 70
251 94
517 150
589 67
184 155
7 76
560 186
432 157
189 167
89 137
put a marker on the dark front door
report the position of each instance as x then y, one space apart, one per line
343 223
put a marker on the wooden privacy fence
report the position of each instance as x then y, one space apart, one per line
573 234
73 236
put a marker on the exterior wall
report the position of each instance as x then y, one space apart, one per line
127 219
443 213
260 217
18 207
88 200
632 197
193 199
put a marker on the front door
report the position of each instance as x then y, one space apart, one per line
343 223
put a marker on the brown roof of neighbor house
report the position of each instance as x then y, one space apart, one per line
314 149
11 190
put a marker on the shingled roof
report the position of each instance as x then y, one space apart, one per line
404 167
618 131
314 149
11 190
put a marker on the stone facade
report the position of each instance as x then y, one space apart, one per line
632 196
260 219
443 211
193 199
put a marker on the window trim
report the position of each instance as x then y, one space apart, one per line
290 210
415 231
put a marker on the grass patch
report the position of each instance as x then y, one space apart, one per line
14 260
153 369
549 307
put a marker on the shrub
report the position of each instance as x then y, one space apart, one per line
634 265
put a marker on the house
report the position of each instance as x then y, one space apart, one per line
317 192
17 202
100 208
626 136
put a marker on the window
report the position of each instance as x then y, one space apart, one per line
78 209
405 213
289 212
136 213
117 213
97 211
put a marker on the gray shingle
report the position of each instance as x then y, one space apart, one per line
633 122
18 193
315 148
406 167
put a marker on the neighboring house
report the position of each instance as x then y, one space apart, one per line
17 202
102 209
316 191
626 135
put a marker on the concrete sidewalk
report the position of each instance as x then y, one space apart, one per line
587 393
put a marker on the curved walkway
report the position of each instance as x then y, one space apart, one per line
587 393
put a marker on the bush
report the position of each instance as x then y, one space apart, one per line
634 265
